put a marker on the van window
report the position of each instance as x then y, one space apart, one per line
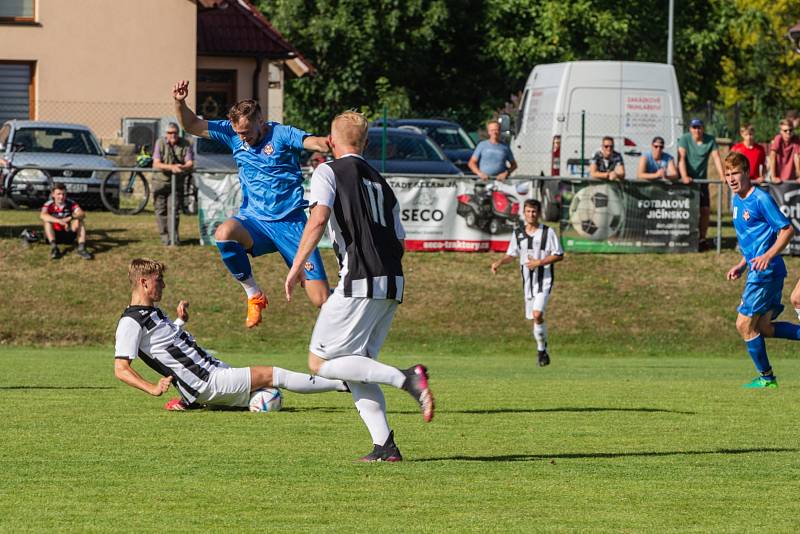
521 115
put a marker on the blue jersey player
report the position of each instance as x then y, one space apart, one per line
272 215
763 232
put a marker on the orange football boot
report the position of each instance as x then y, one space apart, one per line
254 306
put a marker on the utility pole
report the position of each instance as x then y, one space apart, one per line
669 31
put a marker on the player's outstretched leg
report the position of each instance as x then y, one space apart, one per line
303 382
368 371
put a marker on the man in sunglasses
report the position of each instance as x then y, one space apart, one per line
657 164
784 154
172 155
607 163
695 149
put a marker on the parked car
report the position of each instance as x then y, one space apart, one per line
407 152
450 136
57 148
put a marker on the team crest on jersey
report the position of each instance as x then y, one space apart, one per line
309 266
268 149
746 215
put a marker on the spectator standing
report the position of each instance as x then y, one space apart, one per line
784 154
607 163
172 155
657 164
63 223
695 148
754 152
492 157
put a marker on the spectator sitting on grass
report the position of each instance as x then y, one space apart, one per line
754 152
607 163
64 222
657 164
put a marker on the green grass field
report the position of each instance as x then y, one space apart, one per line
639 425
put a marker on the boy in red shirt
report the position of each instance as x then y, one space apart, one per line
63 223
754 152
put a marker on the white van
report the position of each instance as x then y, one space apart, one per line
629 101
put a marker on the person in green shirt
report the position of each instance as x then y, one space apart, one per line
694 150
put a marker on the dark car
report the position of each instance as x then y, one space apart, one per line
450 136
69 153
407 152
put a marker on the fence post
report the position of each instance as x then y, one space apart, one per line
384 138
719 217
583 138
172 213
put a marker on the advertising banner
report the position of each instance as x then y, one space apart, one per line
787 195
218 198
630 217
458 214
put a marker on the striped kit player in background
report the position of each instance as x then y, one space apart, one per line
536 247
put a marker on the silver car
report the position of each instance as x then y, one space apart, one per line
69 153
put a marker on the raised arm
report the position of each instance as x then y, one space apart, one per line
189 121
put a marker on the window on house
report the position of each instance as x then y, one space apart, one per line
16 10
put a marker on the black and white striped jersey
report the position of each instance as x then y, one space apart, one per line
147 333
364 227
543 242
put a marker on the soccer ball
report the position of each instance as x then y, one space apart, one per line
597 212
266 400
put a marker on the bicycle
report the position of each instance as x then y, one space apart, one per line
23 185
127 196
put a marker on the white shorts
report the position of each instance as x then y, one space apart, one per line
349 326
537 303
229 386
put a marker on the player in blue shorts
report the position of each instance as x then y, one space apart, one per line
763 232
272 215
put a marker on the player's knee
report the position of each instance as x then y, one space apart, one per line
260 377
745 327
795 298
538 317
314 363
222 233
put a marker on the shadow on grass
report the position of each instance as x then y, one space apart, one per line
56 387
579 455
568 410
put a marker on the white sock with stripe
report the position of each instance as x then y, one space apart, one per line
304 383
540 333
372 408
362 369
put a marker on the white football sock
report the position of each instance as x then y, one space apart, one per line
372 409
540 333
362 369
251 287
797 311
304 383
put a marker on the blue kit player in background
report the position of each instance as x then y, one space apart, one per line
763 232
272 215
